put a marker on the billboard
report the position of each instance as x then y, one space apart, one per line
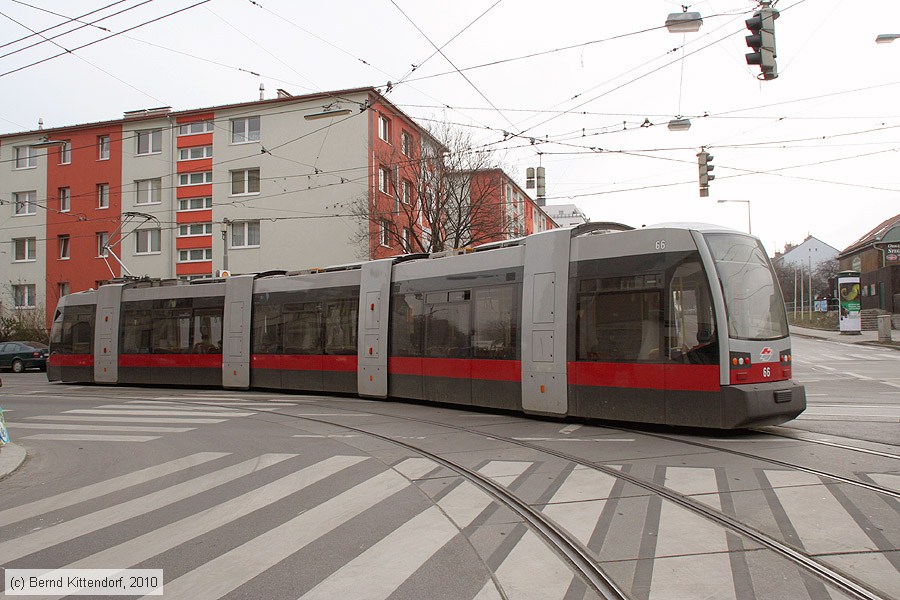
848 292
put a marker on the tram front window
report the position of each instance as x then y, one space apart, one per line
753 299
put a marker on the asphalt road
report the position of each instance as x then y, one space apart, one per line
259 495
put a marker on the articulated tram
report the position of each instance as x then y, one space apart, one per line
677 324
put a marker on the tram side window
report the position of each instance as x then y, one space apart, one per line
171 331
691 331
208 331
302 330
495 331
76 335
137 328
266 329
447 325
341 321
407 324
618 325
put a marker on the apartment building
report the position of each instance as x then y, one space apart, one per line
272 184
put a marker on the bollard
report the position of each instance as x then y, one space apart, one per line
884 328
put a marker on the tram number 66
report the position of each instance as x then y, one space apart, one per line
767 371
660 244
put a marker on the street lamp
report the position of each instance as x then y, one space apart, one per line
886 38
684 22
749 228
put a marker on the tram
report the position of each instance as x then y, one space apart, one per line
677 324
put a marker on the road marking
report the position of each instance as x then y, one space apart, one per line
331 414
30 543
153 543
229 571
862 377
126 428
579 502
569 429
415 468
548 439
387 564
101 488
888 480
520 579
75 437
128 419
155 413
186 408
464 503
504 472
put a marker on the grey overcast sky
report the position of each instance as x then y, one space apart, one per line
815 151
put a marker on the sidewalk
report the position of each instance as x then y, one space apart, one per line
11 458
869 338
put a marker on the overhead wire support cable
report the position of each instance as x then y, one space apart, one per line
103 39
68 20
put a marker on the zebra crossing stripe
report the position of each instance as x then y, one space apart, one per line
188 408
170 420
125 428
11 550
519 578
151 544
464 503
579 502
101 488
388 563
87 437
228 571
156 413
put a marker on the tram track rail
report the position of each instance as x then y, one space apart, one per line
573 551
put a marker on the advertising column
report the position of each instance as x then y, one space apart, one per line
848 292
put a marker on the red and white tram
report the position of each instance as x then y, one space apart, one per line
675 324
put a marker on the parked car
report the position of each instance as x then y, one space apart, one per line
18 356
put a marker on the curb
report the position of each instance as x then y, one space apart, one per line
11 458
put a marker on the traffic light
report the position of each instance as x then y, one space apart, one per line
762 41
704 162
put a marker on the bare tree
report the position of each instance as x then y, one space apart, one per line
441 194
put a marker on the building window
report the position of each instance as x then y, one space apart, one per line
407 239
194 229
384 180
65 200
63 241
405 143
65 153
245 181
245 234
195 128
148 191
25 249
102 243
407 191
102 195
195 178
25 296
146 241
195 255
195 203
26 203
26 157
102 147
195 153
63 288
384 128
384 233
149 141
245 130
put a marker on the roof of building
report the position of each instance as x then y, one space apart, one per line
873 236
153 113
789 248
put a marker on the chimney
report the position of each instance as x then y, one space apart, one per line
41 123
262 91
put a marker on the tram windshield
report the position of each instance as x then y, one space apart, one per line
752 297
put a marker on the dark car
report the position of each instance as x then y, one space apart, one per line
19 356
